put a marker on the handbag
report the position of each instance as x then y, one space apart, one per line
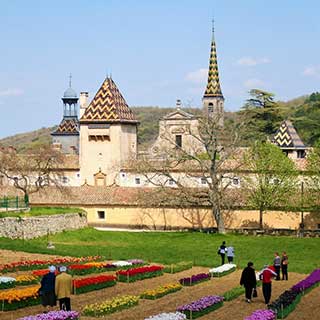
254 293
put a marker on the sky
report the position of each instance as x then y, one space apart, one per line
156 51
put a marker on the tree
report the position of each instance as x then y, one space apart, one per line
32 171
209 157
271 177
262 116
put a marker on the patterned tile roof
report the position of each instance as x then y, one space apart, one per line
213 85
287 137
108 105
67 126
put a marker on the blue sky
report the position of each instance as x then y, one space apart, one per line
157 51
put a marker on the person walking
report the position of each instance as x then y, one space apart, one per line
46 291
284 266
222 252
277 264
266 275
248 280
63 289
230 254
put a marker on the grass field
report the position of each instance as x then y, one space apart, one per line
40 211
173 247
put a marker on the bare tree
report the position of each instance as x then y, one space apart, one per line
200 172
32 171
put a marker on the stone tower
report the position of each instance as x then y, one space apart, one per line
108 136
66 136
213 100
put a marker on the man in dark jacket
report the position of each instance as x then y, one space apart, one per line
248 280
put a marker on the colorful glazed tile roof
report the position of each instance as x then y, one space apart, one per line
108 105
67 126
287 137
213 86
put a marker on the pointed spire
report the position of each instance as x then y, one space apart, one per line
213 88
70 78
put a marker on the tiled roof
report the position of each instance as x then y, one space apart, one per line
67 126
287 137
108 105
213 86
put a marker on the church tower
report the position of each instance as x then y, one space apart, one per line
66 136
108 136
213 100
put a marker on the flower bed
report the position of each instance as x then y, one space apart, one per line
195 279
42 264
288 300
93 283
168 316
42 272
54 315
7 282
110 306
161 291
236 292
136 262
19 298
174 268
83 269
222 270
26 279
262 315
201 307
141 273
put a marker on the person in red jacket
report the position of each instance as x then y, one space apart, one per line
266 275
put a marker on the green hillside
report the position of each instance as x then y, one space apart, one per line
303 111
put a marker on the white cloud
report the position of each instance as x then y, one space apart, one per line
11 92
312 71
253 83
198 76
251 62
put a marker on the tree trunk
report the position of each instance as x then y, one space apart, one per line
219 220
261 218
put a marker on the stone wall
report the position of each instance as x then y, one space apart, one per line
34 227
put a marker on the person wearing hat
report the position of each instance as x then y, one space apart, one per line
63 289
248 280
46 291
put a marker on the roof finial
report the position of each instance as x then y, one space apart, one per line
212 28
70 77
178 104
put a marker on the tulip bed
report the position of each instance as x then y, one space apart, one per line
168 316
110 306
288 300
7 282
83 269
140 273
201 307
42 264
178 267
262 315
195 279
22 280
161 291
93 283
54 315
19 298
222 270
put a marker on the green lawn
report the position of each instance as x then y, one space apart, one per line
174 247
40 211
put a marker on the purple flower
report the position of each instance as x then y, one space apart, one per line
136 261
262 315
308 282
201 304
195 278
54 315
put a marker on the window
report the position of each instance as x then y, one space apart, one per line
203 180
137 181
301 154
318 225
236 181
179 140
78 175
171 182
65 180
101 215
210 107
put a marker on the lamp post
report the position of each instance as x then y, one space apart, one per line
302 204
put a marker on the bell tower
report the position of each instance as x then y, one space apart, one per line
213 100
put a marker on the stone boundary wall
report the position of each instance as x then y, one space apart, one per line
34 227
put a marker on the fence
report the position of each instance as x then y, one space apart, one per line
13 203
